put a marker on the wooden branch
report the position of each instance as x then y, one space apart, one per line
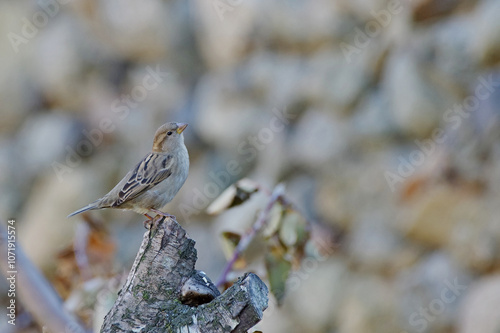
164 293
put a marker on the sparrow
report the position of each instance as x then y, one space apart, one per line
155 180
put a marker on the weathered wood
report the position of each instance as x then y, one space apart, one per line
164 293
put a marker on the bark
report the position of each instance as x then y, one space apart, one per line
164 293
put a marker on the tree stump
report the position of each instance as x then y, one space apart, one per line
164 292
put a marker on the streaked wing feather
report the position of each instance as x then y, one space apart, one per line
152 170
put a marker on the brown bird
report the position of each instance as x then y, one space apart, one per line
155 180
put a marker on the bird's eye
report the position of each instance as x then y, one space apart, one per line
169 133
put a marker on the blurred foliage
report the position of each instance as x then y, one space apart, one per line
280 230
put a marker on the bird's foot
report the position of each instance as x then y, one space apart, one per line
152 221
159 212
149 222
156 221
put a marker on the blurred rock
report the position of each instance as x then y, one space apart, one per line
368 307
326 21
374 245
365 8
280 81
302 192
225 120
44 139
478 312
143 32
486 43
307 286
317 138
352 180
342 82
433 215
44 229
222 28
452 50
430 293
373 119
58 73
417 103
427 9
18 91
474 242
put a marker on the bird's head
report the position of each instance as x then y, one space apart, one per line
169 137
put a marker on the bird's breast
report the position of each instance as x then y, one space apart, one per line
165 191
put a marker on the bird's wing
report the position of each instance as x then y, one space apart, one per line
152 170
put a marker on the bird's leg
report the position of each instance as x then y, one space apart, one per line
159 212
157 220
149 222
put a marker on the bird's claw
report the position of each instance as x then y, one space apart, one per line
148 224
160 213
153 221
156 220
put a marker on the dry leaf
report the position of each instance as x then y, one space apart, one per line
273 222
234 195
278 269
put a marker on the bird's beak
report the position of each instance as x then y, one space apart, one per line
181 127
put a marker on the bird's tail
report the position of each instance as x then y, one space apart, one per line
91 206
